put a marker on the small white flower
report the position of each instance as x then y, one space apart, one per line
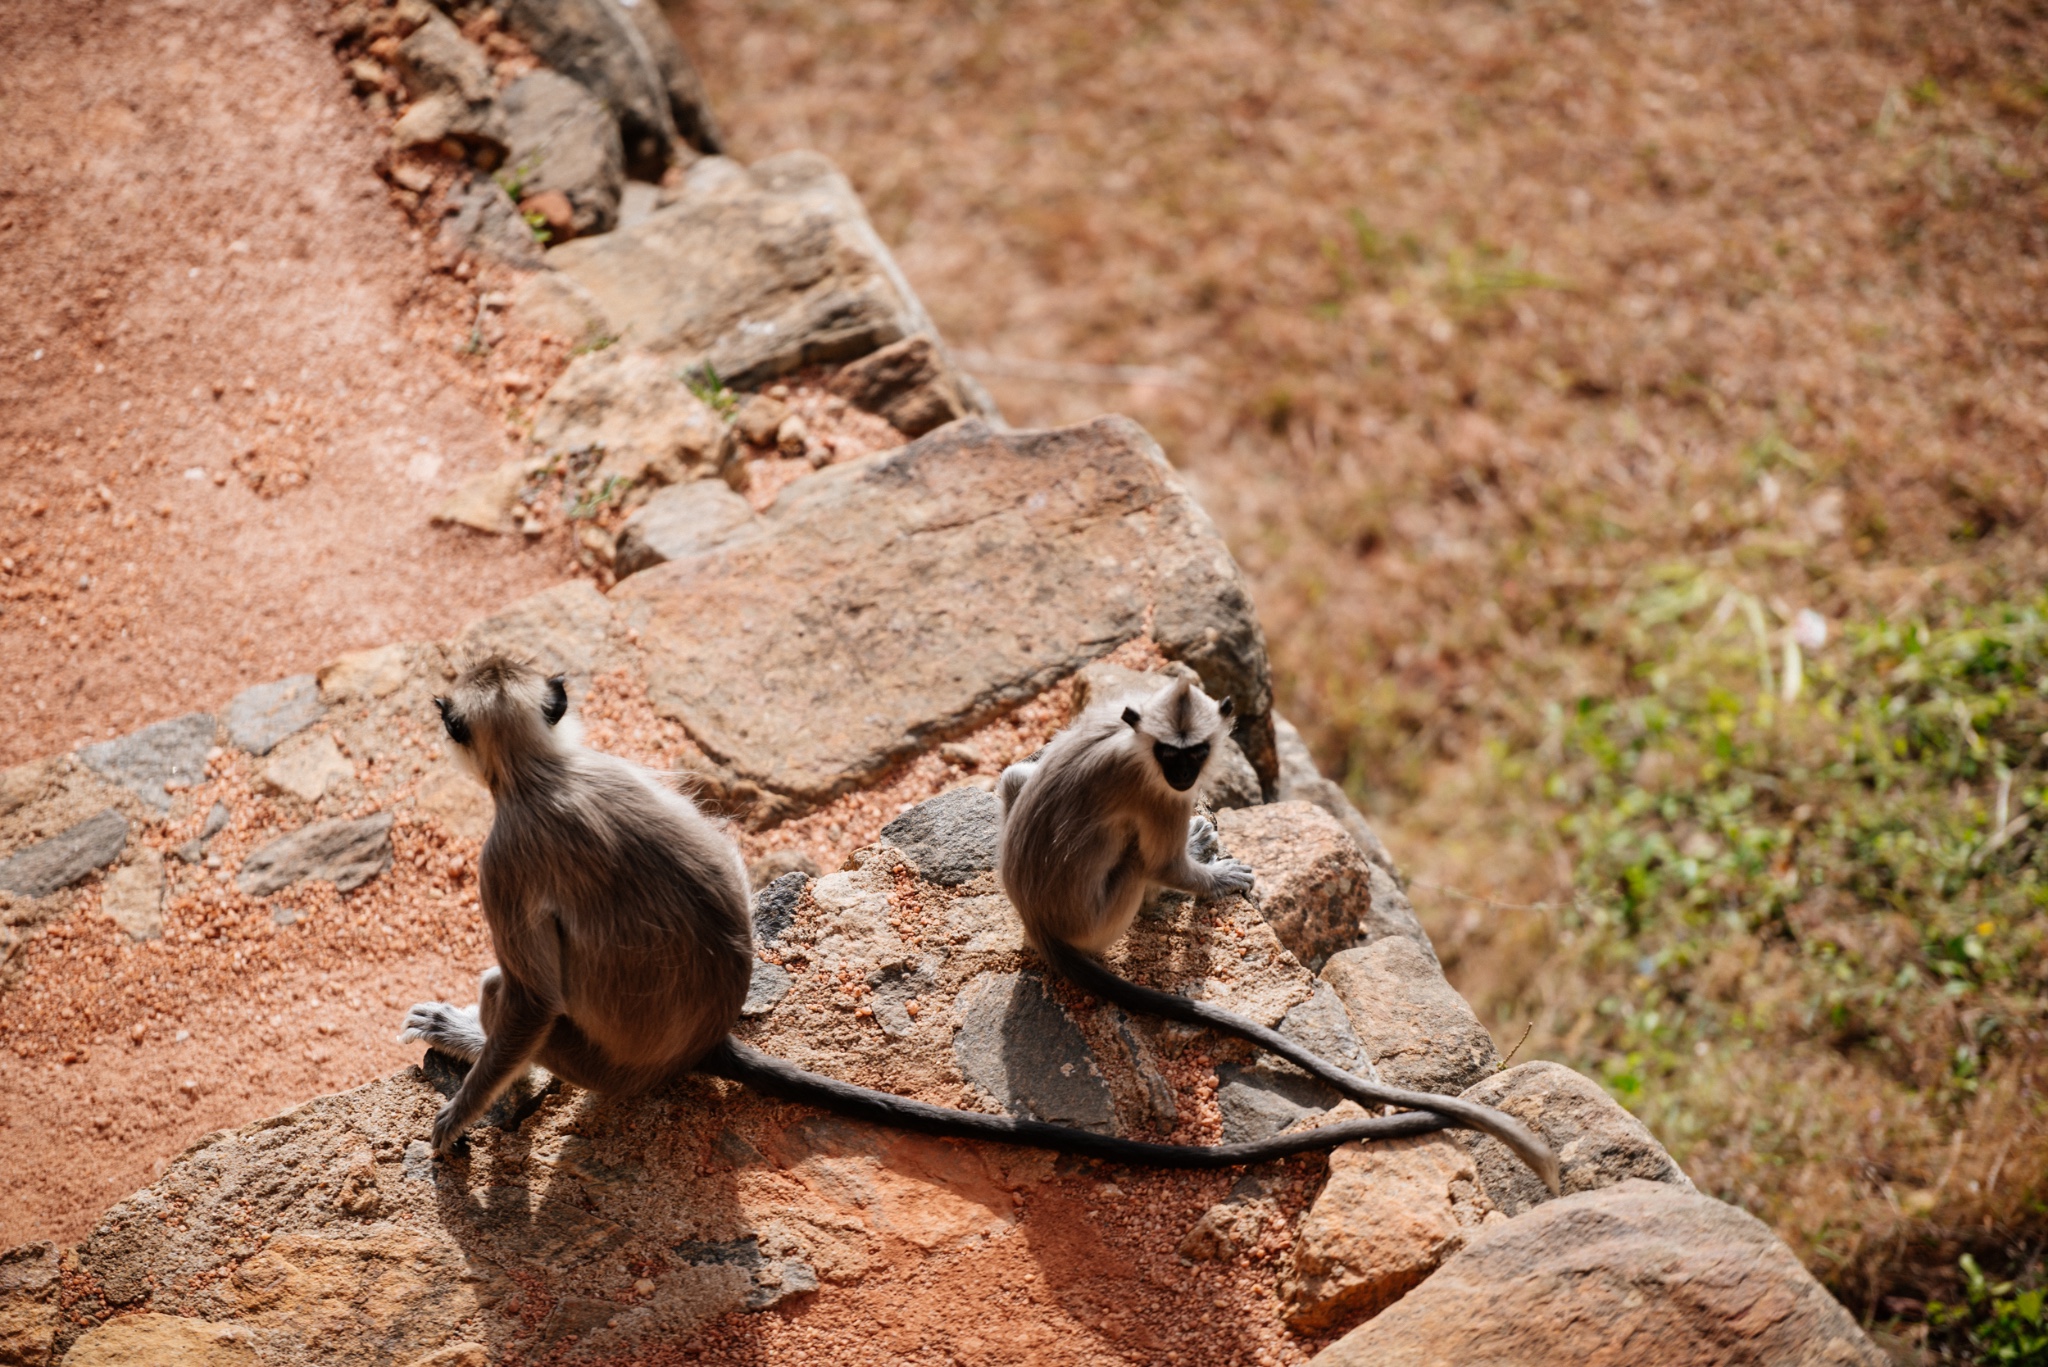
1810 629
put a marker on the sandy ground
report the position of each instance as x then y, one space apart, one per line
207 288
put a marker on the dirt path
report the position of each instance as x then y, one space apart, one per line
208 287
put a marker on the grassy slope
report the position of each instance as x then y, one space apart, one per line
1540 360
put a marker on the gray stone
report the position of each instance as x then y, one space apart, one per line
773 1281
688 105
688 519
1321 1026
217 818
1597 1142
63 859
634 408
1640 1272
487 222
1301 781
1389 912
144 761
950 838
906 382
1271 1094
770 985
344 853
1417 1030
1018 1046
754 273
559 137
260 717
596 43
775 906
888 603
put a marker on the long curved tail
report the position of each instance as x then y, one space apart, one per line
1084 972
775 1077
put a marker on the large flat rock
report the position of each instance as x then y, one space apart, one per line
886 603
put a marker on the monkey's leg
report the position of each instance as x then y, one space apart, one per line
1012 782
516 1023
571 1055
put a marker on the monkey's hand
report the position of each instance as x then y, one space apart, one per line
449 1123
1228 876
450 1029
1202 845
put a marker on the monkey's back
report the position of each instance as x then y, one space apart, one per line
623 903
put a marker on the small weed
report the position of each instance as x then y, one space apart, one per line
1999 1322
596 340
593 501
513 179
1476 283
711 391
537 224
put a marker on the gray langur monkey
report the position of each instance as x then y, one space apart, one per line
1105 813
624 939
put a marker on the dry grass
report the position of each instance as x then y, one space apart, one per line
1486 313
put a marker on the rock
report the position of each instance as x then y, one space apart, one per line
21 785
310 771
550 213
1597 1142
146 762
487 222
43 868
461 804
1637 1273
1391 1212
1416 1028
153 1340
1270 1094
1388 912
559 137
362 675
1312 883
952 560
772 1282
260 717
133 896
1231 1226
1301 781
1232 781
449 79
950 838
634 408
485 502
456 1355
775 905
347 854
217 818
907 382
1322 1026
770 985
792 437
563 630
759 418
688 105
596 43
29 1314
754 273
551 302
678 522
1018 1046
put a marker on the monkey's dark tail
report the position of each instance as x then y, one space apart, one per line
785 1081
1084 972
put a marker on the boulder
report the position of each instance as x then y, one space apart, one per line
1638 1273
484 220
948 563
1597 1143
950 838
688 519
29 1313
752 273
1301 781
148 762
597 44
1018 1047
1269 1095
260 717
1417 1029
688 105
1312 884
907 382
636 409
49 865
558 137
1389 1214
347 854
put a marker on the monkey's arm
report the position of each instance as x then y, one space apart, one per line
521 1023
1012 782
1198 872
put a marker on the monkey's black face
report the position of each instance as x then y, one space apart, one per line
1181 765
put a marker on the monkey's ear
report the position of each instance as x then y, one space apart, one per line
1226 708
557 704
457 728
1131 717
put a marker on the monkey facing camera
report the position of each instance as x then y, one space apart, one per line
621 923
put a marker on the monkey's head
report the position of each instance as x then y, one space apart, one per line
1183 725
502 710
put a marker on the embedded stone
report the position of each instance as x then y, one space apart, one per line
1597 1143
145 762
260 717
1415 1027
950 838
45 867
1018 1046
344 853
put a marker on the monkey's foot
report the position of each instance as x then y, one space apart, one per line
1202 843
1230 876
453 1030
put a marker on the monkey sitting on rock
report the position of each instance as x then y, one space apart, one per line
619 914
1105 813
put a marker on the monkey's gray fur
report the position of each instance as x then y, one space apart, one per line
620 918
1105 813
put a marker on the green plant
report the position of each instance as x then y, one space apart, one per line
2000 1323
588 505
513 179
704 383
